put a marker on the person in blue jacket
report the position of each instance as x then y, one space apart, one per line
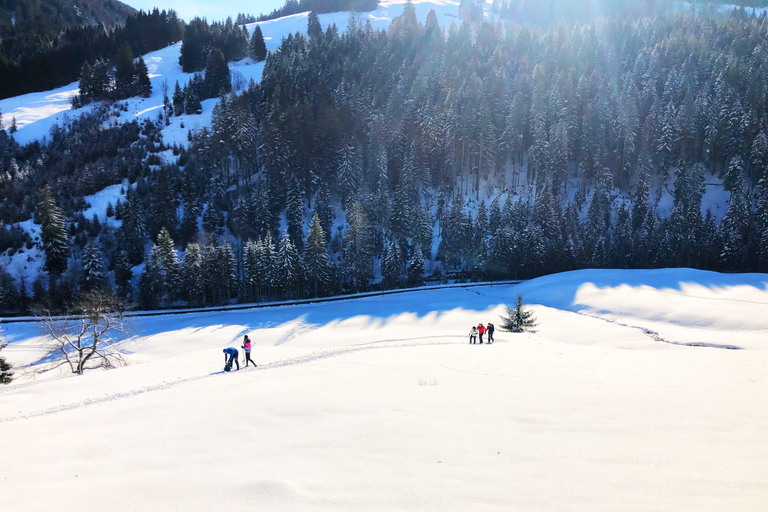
232 353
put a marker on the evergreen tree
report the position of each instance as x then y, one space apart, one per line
317 269
416 268
123 274
6 375
258 50
392 265
192 281
151 281
314 30
324 210
125 73
178 100
132 231
294 214
356 250
289 268
518 319
53 233
93 276
143 85
217 77
169 263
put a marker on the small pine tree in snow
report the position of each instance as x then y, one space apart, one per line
53 233
258 49
316 265
6 375
416 268
192 281
518 319
93 267
288 261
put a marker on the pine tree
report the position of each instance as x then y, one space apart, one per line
192 281
125 73
416 268
317 269
6 375
217 77
143 85
93 276
123 274
324 210
132 231
356 250
151 281
53 233
350 173
169 263
392 265
178 100
314 30
288 262
294 214
518 319
258 50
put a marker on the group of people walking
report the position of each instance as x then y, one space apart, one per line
479 331
231 355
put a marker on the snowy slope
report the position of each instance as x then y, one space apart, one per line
380 404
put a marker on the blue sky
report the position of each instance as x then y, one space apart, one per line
214 10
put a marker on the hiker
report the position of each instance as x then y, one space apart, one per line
490 328
481 330
473 335
247 348
232 352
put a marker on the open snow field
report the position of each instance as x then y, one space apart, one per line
380 404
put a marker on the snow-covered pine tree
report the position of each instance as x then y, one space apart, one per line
192 280
132 231
169 263
53 233
416 268
258 49
151 281
317 269
294 214
93 276
392 265
518 319
350 172
6 373
314 29
288 264
735 225
356 250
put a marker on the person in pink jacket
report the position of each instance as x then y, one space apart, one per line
247 347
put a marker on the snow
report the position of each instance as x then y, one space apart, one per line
380 404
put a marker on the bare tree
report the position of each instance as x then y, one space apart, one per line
88 333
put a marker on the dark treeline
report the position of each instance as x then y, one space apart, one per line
53 63
577 132
319 7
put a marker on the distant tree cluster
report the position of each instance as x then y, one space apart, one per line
320 7
202 38
42 63
100 82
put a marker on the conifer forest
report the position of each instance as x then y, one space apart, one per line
368 159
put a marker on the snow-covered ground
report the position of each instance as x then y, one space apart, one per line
380 404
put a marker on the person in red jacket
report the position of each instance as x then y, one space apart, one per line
481 331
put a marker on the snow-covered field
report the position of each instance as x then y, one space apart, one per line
380 404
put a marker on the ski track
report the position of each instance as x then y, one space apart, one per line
308 358
657 337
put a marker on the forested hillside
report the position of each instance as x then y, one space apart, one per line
372 158
45 43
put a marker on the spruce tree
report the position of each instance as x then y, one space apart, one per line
356 250
192 281
518 319
143 85
217 77
125 73
93 276
288 264
169 263
53 233
392 265
132 231
258 49
123 274
317 269
6 375
151 281
294 214
416 268
314 29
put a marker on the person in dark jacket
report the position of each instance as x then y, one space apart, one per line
230 354
489 328
247 348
